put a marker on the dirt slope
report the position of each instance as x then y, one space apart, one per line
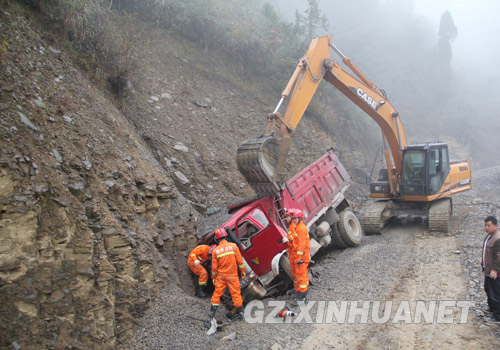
100 197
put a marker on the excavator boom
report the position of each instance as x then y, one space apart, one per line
419 179
262 160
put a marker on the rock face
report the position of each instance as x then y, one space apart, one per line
91 225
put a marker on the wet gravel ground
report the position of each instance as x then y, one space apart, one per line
470 209
368 272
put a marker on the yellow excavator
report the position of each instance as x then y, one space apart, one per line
419 179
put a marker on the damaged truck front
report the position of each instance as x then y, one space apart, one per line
257 225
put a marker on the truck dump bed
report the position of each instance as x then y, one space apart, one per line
317 188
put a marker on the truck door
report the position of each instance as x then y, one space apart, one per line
258 238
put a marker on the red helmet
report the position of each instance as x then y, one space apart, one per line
286 212
297 213
220 232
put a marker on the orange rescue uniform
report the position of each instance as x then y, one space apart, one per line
226 260
291 248
199 253
300 251
291 234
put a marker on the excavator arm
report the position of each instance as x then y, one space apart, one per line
262 160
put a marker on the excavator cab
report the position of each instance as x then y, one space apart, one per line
425 167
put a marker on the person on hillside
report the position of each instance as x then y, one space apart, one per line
226 261
196 258
298 253
490 264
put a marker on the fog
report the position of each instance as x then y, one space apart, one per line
395 42
477 22
476 50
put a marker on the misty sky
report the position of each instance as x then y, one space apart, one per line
477 46
478 26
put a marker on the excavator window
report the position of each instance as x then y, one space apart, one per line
434 171
445 162
413 177
424 170
439 167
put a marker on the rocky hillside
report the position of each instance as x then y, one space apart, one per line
100 196
90 222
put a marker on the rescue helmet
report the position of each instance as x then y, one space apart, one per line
286 212
219 233
297 213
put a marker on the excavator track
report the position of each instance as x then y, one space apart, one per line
440 215
372 218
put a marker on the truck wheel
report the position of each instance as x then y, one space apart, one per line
337 241
350 229
285 266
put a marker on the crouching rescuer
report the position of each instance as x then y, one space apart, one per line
196 258
226 261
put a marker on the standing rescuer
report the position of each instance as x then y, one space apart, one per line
299 255
226 261
196 258
290 223
290 240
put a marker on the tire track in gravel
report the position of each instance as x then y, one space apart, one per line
370 273
432 272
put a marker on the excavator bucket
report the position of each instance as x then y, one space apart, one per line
260 161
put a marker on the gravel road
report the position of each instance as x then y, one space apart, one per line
404 263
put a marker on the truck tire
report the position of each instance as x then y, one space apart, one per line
337 241
350 229
285 266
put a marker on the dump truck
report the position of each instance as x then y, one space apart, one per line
257 224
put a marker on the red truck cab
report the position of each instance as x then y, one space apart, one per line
257 225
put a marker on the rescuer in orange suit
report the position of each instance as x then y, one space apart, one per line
290 239
196 258
290 223
299 257
226 261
